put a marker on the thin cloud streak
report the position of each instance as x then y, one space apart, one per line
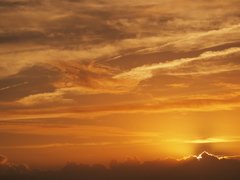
212 140
76 145
56 145
13 86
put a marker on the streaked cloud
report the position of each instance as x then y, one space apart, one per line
182 105
211 140
147 71
16 85
228 85
180 85
79 131
75 145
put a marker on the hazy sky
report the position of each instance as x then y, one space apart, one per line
94 80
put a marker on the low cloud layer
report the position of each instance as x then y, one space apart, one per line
11 169
205 166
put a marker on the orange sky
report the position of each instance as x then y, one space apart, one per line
91 81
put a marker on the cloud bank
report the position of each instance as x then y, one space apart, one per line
11 169
205 166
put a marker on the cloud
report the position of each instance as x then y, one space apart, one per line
194 103
78 131
147 71
12 169
18 3
4 88
163 106
228 85
45 98
181 42
98 30
35 80
3 159
180 85
58 145
75 79
72 79
29 59
89 76
83 144
204 166
133 161
59 82
207 140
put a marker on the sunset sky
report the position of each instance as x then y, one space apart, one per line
89 81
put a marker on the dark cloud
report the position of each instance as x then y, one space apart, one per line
20 37
79 21
89 22
3 159
12 4
11 169
208 167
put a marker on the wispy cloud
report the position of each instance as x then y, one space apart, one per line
79 131
182 105
75 145
56 145
180 85
189 42
147 71
228 85
12 86
46 98
107 29
212 140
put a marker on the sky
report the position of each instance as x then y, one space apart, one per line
89 81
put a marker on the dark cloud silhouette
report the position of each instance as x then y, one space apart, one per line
9 170
3 159
204 167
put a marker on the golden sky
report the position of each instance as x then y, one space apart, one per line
95 80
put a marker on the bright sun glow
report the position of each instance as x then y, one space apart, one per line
204 152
